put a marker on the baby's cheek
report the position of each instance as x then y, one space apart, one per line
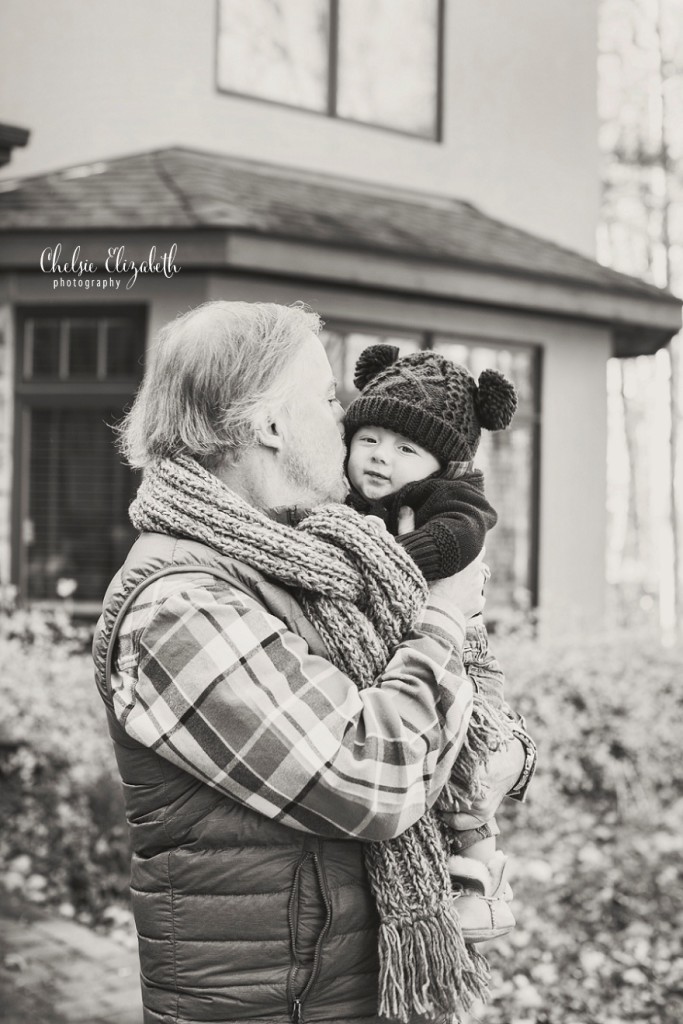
352 467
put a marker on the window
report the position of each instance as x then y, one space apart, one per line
377 62
76 371
343 346
509 458
509 461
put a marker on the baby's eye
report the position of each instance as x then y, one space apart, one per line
406 449
367 439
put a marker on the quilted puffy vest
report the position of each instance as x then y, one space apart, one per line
239 918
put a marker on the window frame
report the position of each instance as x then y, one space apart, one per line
342 325
531 415
332 79
58 392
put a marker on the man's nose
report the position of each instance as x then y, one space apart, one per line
339 416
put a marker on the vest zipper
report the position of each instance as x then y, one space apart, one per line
297 1011
298 1002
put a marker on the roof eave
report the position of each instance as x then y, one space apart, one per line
641 321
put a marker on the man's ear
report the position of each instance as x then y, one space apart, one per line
268 431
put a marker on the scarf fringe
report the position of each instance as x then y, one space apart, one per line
489 730
425 967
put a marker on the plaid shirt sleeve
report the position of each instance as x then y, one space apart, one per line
220 687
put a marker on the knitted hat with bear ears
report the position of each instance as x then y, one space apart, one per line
429 400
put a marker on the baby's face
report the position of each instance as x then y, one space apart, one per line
382 461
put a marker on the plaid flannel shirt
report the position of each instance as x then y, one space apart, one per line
213 682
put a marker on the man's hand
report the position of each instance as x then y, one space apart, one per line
465 589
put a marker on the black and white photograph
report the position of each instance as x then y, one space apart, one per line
341 512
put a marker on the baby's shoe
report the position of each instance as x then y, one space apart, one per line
482 897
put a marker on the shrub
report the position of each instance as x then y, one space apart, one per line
596 850
31 624
64 838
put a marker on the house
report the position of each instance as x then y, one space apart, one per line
422 172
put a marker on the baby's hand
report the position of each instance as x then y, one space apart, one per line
406 520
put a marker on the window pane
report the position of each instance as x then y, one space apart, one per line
83 348
72 518
344 347
388 61
79 492
506 459
43 353
516 363
275 50
125 349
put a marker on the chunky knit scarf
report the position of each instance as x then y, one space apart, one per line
362 593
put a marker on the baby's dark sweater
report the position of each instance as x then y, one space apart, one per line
452 518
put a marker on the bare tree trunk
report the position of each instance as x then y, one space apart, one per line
674 376
632 536
674 390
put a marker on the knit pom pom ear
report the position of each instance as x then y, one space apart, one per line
372 361
495 400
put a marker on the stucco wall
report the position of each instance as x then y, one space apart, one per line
93 80
573 460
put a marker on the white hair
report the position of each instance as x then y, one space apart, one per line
210 374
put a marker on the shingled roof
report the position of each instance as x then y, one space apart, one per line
177 187
284 220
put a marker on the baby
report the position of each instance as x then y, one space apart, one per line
412 434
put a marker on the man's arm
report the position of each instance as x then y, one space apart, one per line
218 686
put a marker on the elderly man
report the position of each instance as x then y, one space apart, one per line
286 698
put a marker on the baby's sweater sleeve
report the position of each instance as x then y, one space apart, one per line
452 518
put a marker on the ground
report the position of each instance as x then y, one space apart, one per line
55 971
